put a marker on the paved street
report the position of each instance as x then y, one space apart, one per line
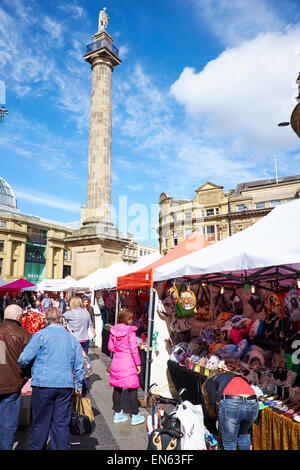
106 435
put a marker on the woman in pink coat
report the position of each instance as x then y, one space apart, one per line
125 367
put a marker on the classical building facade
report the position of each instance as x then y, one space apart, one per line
30 247
134 251
217 214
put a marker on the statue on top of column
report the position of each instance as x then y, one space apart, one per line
103 20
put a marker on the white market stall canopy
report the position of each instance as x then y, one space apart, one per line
267 250
2 282
55 285
101 279
106 278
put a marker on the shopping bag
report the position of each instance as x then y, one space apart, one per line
192 426
84 405
88 370
80 424
166 438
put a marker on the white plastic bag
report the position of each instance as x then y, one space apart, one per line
192 426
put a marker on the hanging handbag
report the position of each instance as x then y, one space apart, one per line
185 302
80 423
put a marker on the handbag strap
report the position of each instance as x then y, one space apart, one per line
79 404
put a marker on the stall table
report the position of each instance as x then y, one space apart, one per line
275 432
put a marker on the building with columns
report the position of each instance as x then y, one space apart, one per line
31 247
217 214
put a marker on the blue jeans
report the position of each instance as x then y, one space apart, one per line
235 419
9 418
51 412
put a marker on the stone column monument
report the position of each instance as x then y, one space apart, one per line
103 57
98 243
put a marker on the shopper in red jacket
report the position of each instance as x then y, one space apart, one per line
125 367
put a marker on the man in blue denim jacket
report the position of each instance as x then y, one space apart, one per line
57 369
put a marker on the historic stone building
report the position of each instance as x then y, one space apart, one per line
30 246
217 214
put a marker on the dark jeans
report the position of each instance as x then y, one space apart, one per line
51 412
85 384
133 400
9 418
235 419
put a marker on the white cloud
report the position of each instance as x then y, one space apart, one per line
242 95
48 200
123 51
74 11
53 28
135 187
234 21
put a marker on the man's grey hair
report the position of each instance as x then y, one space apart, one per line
53 315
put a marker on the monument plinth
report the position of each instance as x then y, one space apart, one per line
97 229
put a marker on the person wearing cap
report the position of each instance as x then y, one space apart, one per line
13 339
230 399
57 373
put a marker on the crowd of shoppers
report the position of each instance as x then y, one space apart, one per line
53 358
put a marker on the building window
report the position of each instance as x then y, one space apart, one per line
241 207
66 271
210 212
2 224
1 265
175 240
210 231
202 213
188 232
217 210
188 215
260 205
1 246
274 203
66 257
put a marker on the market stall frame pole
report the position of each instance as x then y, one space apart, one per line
149 341
117 307
93 295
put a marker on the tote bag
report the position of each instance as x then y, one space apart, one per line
80 424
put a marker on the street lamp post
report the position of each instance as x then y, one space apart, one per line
3 113
295 116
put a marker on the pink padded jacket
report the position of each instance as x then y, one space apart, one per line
123 344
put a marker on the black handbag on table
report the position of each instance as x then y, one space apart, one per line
80 424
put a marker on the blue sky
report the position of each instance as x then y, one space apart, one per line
198 96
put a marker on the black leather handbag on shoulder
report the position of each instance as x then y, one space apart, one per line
80 424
